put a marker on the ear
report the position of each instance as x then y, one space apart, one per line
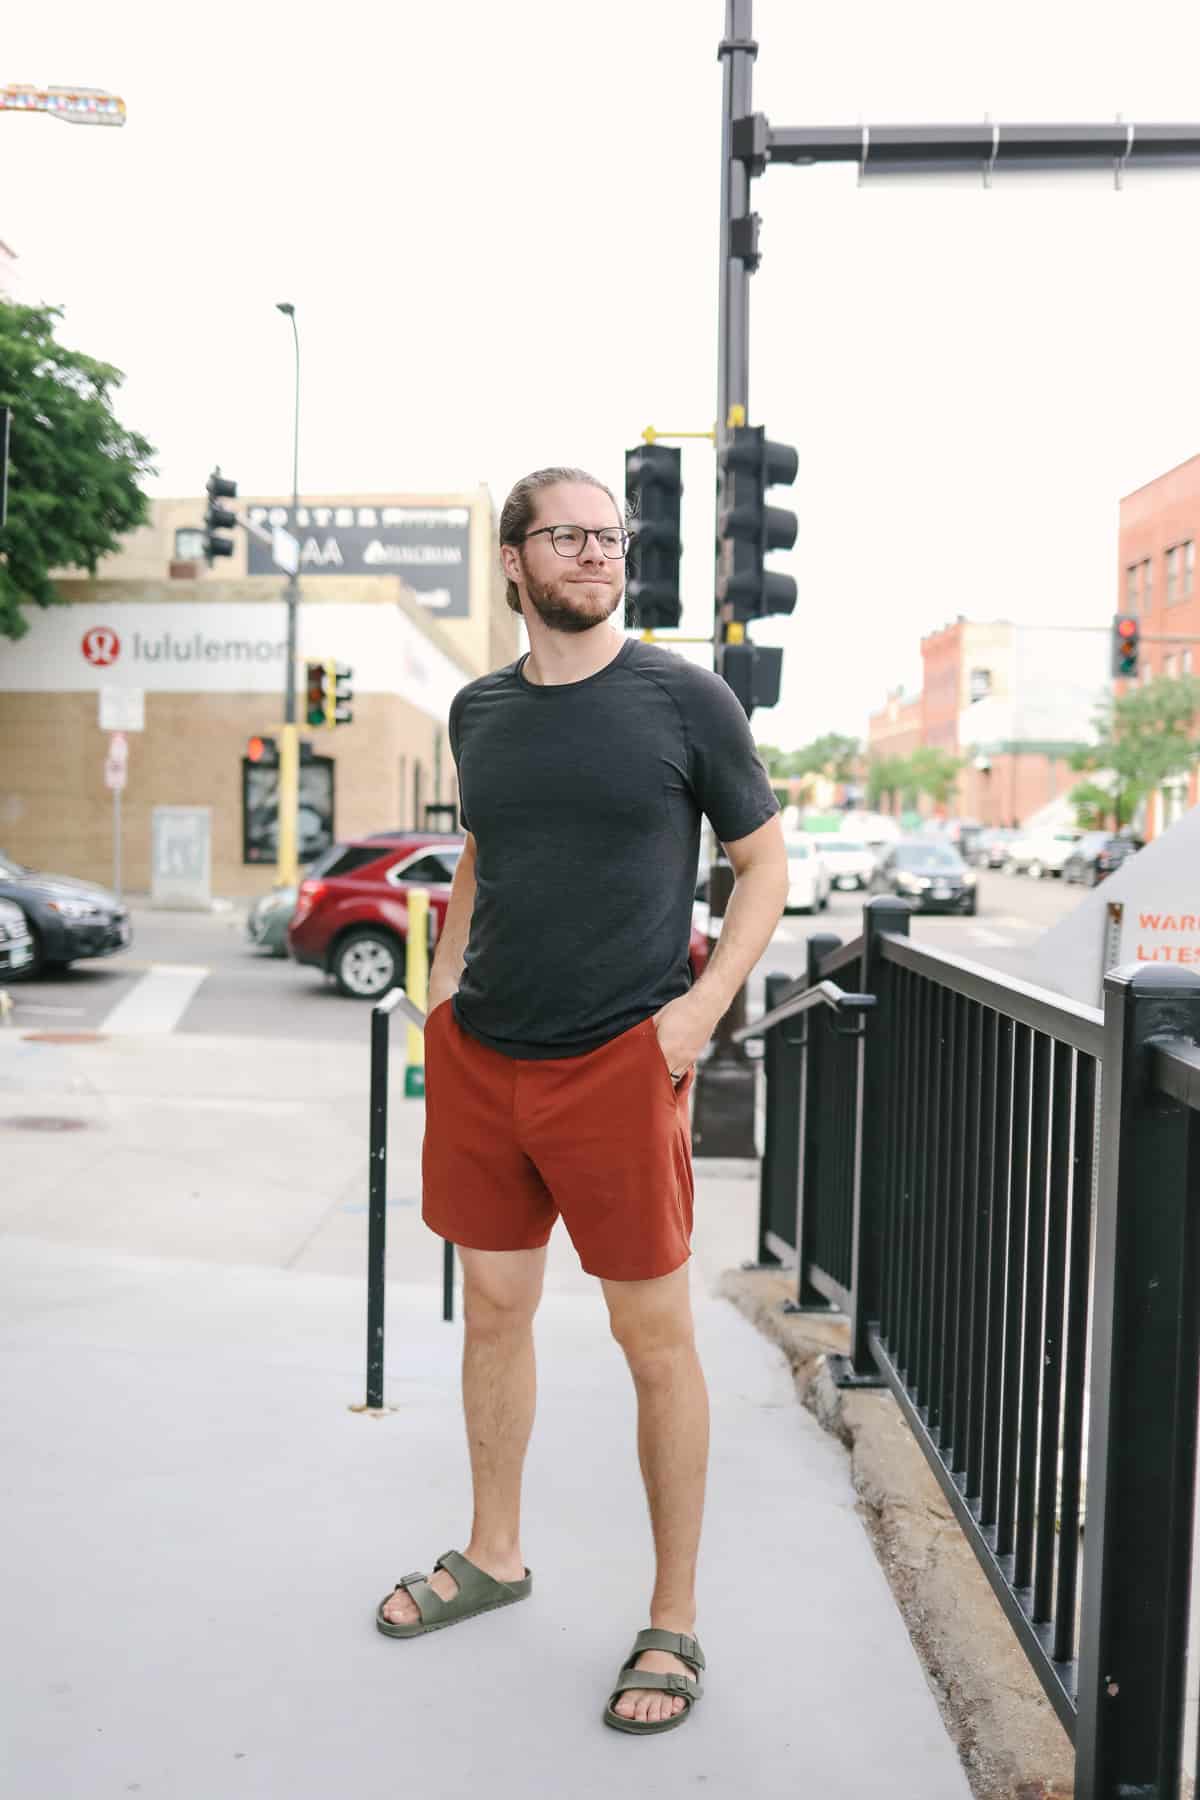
510 560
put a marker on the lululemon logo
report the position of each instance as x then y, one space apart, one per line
101 645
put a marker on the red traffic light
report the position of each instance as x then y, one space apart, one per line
1127 628
261 750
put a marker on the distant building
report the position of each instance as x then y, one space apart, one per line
1159 526
895 730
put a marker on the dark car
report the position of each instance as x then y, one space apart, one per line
1097 854
990 849
930 874
67 919
351 917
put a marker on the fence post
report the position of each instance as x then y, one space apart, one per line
1143 1392
808 1298
871 1148
779 1175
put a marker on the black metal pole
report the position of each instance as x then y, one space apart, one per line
1143 1392
377 1197
812 1127
871 1150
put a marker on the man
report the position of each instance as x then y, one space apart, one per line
562 1037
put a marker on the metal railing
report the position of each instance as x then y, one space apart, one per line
1001 1191
381 1021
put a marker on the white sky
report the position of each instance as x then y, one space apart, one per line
498 224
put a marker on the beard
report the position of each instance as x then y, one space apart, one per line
560 611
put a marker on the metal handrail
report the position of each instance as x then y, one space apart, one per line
825 993
1082 1027
1175 1070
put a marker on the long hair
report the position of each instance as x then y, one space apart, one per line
518 511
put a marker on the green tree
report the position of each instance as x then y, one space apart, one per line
1144 738
834 755
934 772
888 778
74 471
1094 806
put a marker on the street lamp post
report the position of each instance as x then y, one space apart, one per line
289 746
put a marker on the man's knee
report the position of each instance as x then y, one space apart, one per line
651 1320
501 1288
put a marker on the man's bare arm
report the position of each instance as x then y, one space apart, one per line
446 971
760 891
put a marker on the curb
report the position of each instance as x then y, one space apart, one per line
1007 1734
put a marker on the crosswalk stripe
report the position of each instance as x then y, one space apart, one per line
158 1001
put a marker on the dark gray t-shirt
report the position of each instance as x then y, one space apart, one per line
584 800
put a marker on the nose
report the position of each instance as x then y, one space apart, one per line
591 552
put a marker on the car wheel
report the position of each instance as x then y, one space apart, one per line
824 901
971 910
1036 870
366 964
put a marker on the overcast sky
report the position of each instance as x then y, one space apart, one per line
498 224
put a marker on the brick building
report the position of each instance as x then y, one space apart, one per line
1158 529
405 589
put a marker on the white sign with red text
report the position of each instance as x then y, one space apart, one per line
1149 911
182 647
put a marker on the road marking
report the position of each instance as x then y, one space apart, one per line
158 1001
75 1012
1011 922
991 940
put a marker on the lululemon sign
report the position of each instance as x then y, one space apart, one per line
101 646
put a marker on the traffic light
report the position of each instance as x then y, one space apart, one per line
264 751
1125 644
752 671
652 494
328 693
218 518
748 529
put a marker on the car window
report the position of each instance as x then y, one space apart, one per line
928 856
842 846
344 859
798 852
436 866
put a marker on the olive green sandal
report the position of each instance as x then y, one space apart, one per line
478 1592
688 1649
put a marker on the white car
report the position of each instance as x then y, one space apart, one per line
808 877
1042 853
850 863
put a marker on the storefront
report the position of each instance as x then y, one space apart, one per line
206 651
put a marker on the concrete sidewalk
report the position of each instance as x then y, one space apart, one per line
198 1527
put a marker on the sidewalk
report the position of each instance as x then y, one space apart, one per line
198 1528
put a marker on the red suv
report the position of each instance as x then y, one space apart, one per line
351 917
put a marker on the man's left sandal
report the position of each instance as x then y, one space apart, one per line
687 1649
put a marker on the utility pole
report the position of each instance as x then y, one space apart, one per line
287 859
723 1118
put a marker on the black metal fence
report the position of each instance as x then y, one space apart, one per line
1001 1189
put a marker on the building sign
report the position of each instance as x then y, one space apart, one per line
260 811
190 647
427 546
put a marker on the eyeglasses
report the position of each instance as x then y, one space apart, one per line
571 540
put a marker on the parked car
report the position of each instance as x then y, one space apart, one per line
16 939
851 863
808 876
351 913
67 919
1097 854
931 874
1041 853
990 850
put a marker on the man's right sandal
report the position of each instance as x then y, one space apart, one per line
478 1592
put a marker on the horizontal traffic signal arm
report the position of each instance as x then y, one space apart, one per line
1001 148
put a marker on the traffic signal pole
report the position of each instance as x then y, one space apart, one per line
724 1105
287 860
724 1093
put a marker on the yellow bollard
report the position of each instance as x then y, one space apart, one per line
416 986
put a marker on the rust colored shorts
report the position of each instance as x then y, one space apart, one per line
602 1138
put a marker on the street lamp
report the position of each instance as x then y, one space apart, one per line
289 762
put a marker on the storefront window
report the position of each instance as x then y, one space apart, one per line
260 810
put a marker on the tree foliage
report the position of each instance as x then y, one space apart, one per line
1142 739
902 778
74 471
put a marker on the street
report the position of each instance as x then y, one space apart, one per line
196 973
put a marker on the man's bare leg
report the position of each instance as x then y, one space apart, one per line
501 1292
652 1321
